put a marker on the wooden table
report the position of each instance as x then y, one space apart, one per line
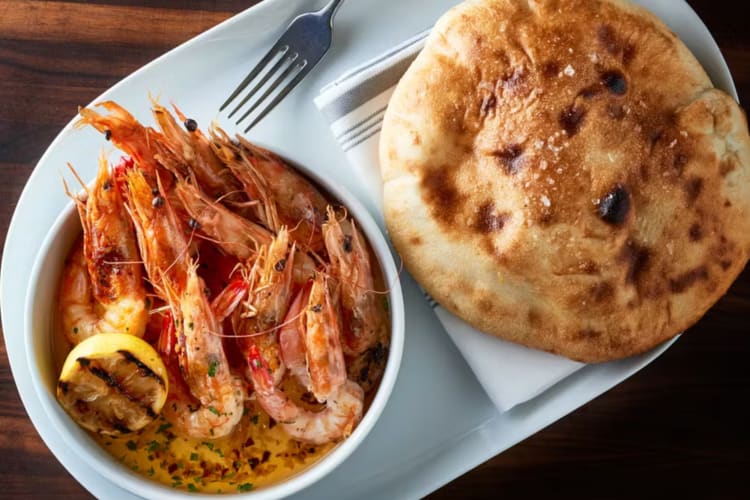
680 427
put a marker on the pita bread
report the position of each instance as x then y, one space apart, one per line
562 174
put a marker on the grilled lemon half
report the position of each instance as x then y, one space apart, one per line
113 384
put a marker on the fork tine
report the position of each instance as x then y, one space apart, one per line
271 87
281 95
268 74
256 70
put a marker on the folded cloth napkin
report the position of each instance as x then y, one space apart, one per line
355 104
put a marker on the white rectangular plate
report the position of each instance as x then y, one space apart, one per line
438 423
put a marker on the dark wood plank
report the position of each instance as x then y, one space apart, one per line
676 429
103 24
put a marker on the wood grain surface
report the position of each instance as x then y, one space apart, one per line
678 428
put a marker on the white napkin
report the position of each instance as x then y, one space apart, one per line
355 104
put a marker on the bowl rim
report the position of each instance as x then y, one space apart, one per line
105 465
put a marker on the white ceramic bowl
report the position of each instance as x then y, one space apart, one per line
41 302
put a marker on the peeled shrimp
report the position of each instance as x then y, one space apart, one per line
350 264
102 289
342 412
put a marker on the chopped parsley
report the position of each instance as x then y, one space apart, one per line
131 445
163 427
213 410
245 487
153 446
208 445
194 457
212 368
192 487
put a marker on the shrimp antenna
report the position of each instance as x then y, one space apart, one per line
78 178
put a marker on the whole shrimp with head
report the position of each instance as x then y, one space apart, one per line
102 289
342 412
270 281
350 265
311 347
202 360
285 197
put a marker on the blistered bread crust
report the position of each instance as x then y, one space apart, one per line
562 174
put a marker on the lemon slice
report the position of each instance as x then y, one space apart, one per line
113 384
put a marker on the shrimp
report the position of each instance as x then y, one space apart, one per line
286 196
299 204
350 264
161 241
193 150
234 234
124 131
270 290
102 289
291 338
310 340
271 296
263 206
200 352
325 358
206 369
342 412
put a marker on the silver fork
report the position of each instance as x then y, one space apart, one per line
300 48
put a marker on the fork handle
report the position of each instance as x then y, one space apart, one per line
330 10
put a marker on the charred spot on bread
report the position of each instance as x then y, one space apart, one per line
695 233
489 220
510 158
636 258
615 82
571 119
688 279
614 206
693 188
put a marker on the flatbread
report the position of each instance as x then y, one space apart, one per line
562 174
